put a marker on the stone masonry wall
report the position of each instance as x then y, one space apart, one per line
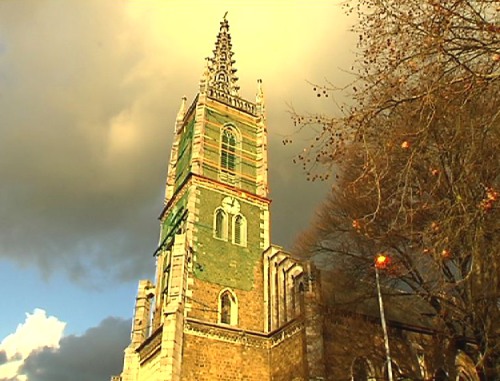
288 359
250 308
150 369
207 359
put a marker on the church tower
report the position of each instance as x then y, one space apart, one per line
226 304
208 290
216 214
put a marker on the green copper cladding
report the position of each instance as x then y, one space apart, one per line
219 261
173 220
185 152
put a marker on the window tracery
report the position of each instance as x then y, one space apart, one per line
228 150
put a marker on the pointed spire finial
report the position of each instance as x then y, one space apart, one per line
182 109
260 93
221 74
259 98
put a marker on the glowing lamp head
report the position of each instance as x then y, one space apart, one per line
405 144
382 261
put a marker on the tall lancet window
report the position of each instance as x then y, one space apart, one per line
239 230
228 307
225 308
228 150
220 224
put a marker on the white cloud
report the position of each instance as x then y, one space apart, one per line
37 332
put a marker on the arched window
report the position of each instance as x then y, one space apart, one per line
220 224
228 150
297 292
239 230
228 307
361 370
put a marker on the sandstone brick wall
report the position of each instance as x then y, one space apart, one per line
150 369
250 305
287 359
206 359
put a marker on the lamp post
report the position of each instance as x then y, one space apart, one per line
381 262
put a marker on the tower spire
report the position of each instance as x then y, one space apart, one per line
259 99
221 74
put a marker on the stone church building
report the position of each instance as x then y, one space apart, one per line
227 304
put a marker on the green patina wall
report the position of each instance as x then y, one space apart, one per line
246 161
172 221
218 261
169 226
223 262
185 150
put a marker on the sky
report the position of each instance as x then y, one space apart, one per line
89 90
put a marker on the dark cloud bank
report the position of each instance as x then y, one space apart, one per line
96 355
84 144
85 133
3 357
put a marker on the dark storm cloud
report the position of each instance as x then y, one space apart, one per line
3 357
16 357
80 138
89 91
96 355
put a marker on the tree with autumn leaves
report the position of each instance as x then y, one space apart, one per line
417 160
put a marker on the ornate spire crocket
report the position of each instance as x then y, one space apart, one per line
221 74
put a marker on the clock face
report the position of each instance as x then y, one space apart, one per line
231 205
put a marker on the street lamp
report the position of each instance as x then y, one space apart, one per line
381 262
